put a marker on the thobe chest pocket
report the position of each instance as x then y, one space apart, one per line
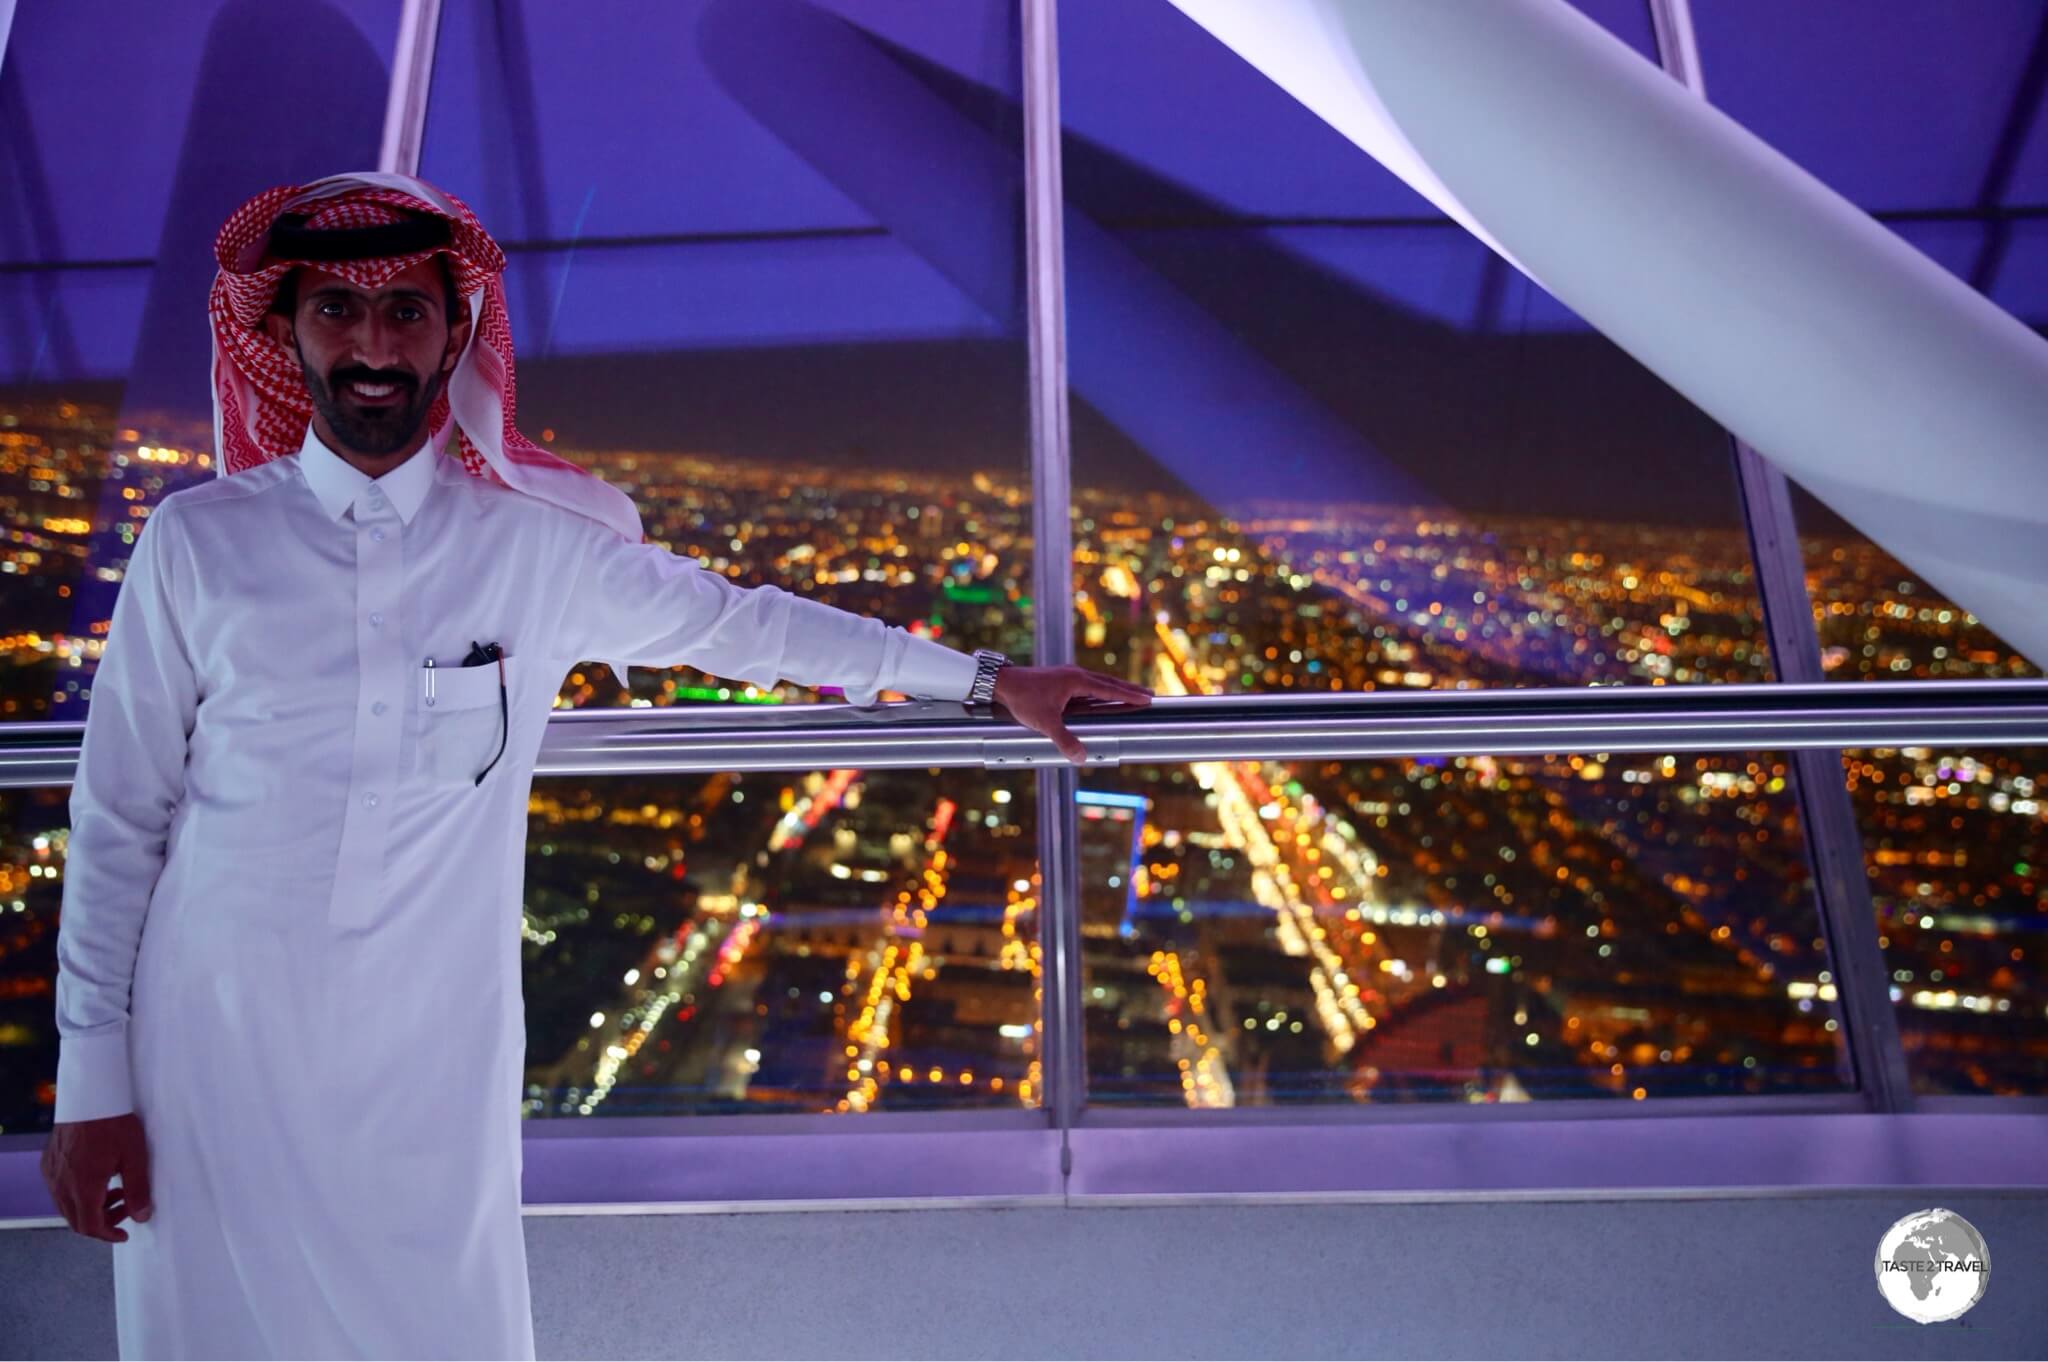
458 727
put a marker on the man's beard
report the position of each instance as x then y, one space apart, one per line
372 431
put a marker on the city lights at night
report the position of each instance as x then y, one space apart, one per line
1255 932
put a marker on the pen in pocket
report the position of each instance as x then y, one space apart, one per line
429 682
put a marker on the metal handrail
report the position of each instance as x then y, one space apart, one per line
1736 717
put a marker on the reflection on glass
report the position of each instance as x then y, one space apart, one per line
778 312
1323 439
825 941
34 826
1468 929
1956 847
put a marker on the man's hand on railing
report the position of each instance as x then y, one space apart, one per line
79 1161
1036 697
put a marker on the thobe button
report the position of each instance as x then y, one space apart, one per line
369 801
376 617
377 708
375 495
376 534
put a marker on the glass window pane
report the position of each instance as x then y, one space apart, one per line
33 831
1879 620
831 940
92 177
828 940
784 314
2027 186
1892 125
111 191
1325 440
1628 20
1903 107
1219 150
1951 840
2021 285
1931 115
1956 847
1452 930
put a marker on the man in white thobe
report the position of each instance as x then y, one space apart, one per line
289 954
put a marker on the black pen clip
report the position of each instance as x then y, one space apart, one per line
479 655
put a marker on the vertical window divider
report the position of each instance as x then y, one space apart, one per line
412 72
1062 1050
1834 846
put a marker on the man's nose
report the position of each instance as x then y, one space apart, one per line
376 344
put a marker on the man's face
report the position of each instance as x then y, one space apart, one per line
374 359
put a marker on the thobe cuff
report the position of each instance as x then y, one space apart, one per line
92 1076
929 669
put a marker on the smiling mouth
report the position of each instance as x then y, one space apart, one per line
374 394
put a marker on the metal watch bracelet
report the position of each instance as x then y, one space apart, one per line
987 662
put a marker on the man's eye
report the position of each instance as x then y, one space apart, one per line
322 309
408 314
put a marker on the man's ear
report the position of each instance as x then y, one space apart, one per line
458 336
280 328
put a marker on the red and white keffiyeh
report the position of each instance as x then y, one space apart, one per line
260 403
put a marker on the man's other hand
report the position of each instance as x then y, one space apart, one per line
1037 696
79 1161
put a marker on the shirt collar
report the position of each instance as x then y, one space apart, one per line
337 482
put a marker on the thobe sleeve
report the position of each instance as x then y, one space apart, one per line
641 605
130 779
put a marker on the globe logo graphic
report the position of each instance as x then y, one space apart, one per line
1932 1265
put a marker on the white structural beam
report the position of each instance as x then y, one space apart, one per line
1907 401
412 74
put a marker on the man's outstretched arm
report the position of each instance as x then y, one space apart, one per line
646 606
1036 697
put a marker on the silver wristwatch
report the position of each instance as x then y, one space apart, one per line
987 662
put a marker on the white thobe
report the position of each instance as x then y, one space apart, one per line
290 938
